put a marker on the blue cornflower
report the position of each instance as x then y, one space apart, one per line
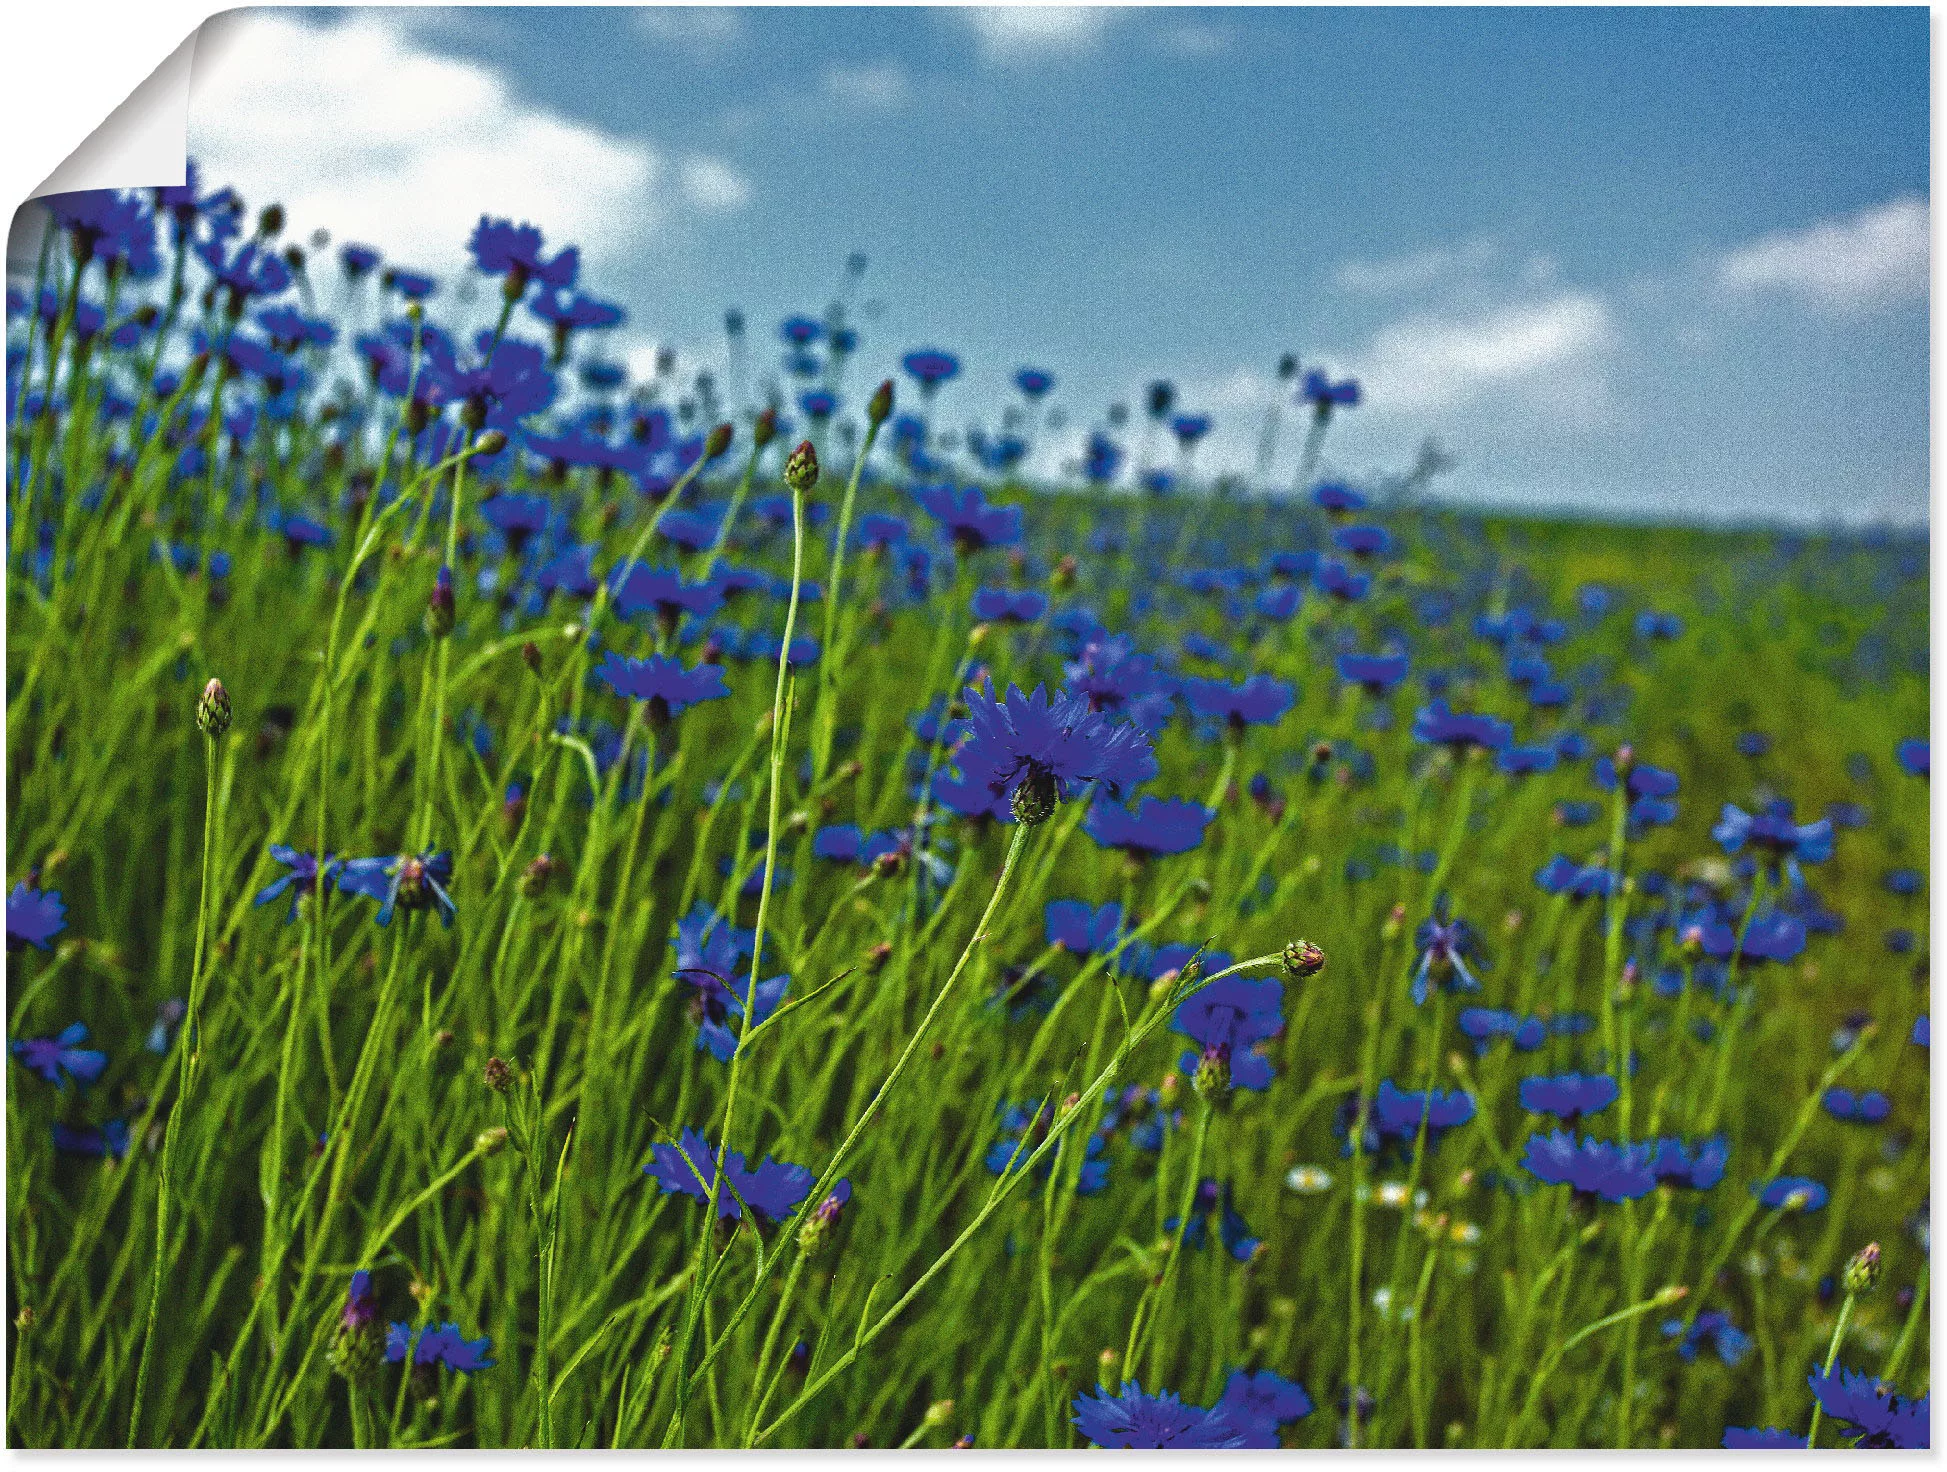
772 1189
1278 601
1324 394
1761 1439
930 367
1591 1168
1214 1201
847 843
1336 499
1335 579
302 878
1446 946
1653 625
1871 1410
34 916
1915 757
1022 1133
1485 1024
1774 935
1259 701
111 1139
968 519
502 248
1081 929
1569 1096
1562 875
1903 882
1157 825
1260 1404
1033 382
668 687
416 881
1922 1031
1396 1113
442 1346
1137 1419
1189 428
1439 725
1714 1329
1112 676
62 1053
712 955
1005 605
1232 1013
1523 761
637 589
1699 1166
516 517
818 404
881 531
1575 813
1795 1193
1362 541
1035 750
1378 673
1101 459
1867 1107
1782 842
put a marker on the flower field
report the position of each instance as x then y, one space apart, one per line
550 909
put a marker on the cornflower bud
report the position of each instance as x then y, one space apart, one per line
1212 1079
491 1141
531 656
938 1412
535 877
1862 1273
213 710
718 441
489 442
440 615
499 1075
765 429
879 408
801 470
1302 959
1034 799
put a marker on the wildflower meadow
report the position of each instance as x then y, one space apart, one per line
550 907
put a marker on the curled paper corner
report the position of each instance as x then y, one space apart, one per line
144 142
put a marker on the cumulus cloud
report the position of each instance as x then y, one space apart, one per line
1414 271
358 128
1548 353
880 86
1875 258
1020 33
704 29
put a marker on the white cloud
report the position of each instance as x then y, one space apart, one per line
1550 353
355 127
881 86
1875 258
1415 271
1016 33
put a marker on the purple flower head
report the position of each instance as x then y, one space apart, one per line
1698 1167
415 881
1562 875
1439 725
1448 947
1793 1193
1569 1096
1591 1168
502 248
881 531
301 880
1869 1106
930 367
361 1304
1323 394
1870 1410
1713 1330
572 312
968 519
1049 746
1397 1113
1774 834
1362 541
62 1054
1157 825
771 1190
638 588
660 678
1378 673
1004 605
1261 1403
1081 929
1189 428
1334 578
1033 382
1761 1439
34 916
1915 757
1336 498
1112 676
1774 935
1258 701
442 1346
1137 1419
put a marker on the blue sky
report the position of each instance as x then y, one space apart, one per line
1638 261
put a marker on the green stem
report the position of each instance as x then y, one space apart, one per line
1831 1359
